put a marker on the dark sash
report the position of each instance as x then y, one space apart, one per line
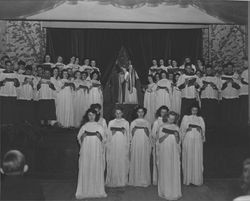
169 132
115 129
141 127
87 133
198 128
9 79
227 78
96 85
191 82
159 87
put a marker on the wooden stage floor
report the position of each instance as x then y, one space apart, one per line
212 190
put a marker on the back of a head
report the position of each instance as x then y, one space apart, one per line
13 163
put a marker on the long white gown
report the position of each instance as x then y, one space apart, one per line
176 100
64 109
192 150
149 102
168 160
81 101
163 95
91 166
95 93
117 153
131 96
140 150
155 134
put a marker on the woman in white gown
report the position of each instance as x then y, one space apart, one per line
95 93
149 100
81 97
160 113
163 91
140 150
65 110
176 95
91 167
193 136
168 158
117 151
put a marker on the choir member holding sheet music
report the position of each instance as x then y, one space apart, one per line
176 95
168 158
95 92
117 151
160 113
47 61
162 65
140 150
149 99
193 136
230 96
65 110
59 63
8 94
91 166
188 83
46 101
163 91
25 96
154 68
209 93
81 97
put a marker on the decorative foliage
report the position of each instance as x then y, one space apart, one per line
26 41
224 43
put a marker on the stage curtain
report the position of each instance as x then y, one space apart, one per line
103 45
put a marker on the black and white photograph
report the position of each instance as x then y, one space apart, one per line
124 100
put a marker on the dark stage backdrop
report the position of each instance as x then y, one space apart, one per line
103 45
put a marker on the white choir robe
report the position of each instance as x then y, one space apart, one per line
155 134
91 167
8 89
131 95
117 154
55 82
95 93
140 150
65 110
176 100
163 95
25 90
168 160
149 102
192 150
81 101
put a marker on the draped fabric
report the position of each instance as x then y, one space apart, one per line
103 45
228 11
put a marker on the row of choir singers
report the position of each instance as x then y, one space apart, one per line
125 150
181 91
51 98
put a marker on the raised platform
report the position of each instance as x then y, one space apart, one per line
53 153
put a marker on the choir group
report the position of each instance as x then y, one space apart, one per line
169 126
52 94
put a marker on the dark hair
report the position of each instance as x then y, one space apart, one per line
151 77
84 72
21 62
163 71
85 118
96 106
175 77
158 111
155 76
166 116
118 108
64 70
77 72
46 55
188 64
13 162
135 110
95 72
196 105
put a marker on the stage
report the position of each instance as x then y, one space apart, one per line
52 153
